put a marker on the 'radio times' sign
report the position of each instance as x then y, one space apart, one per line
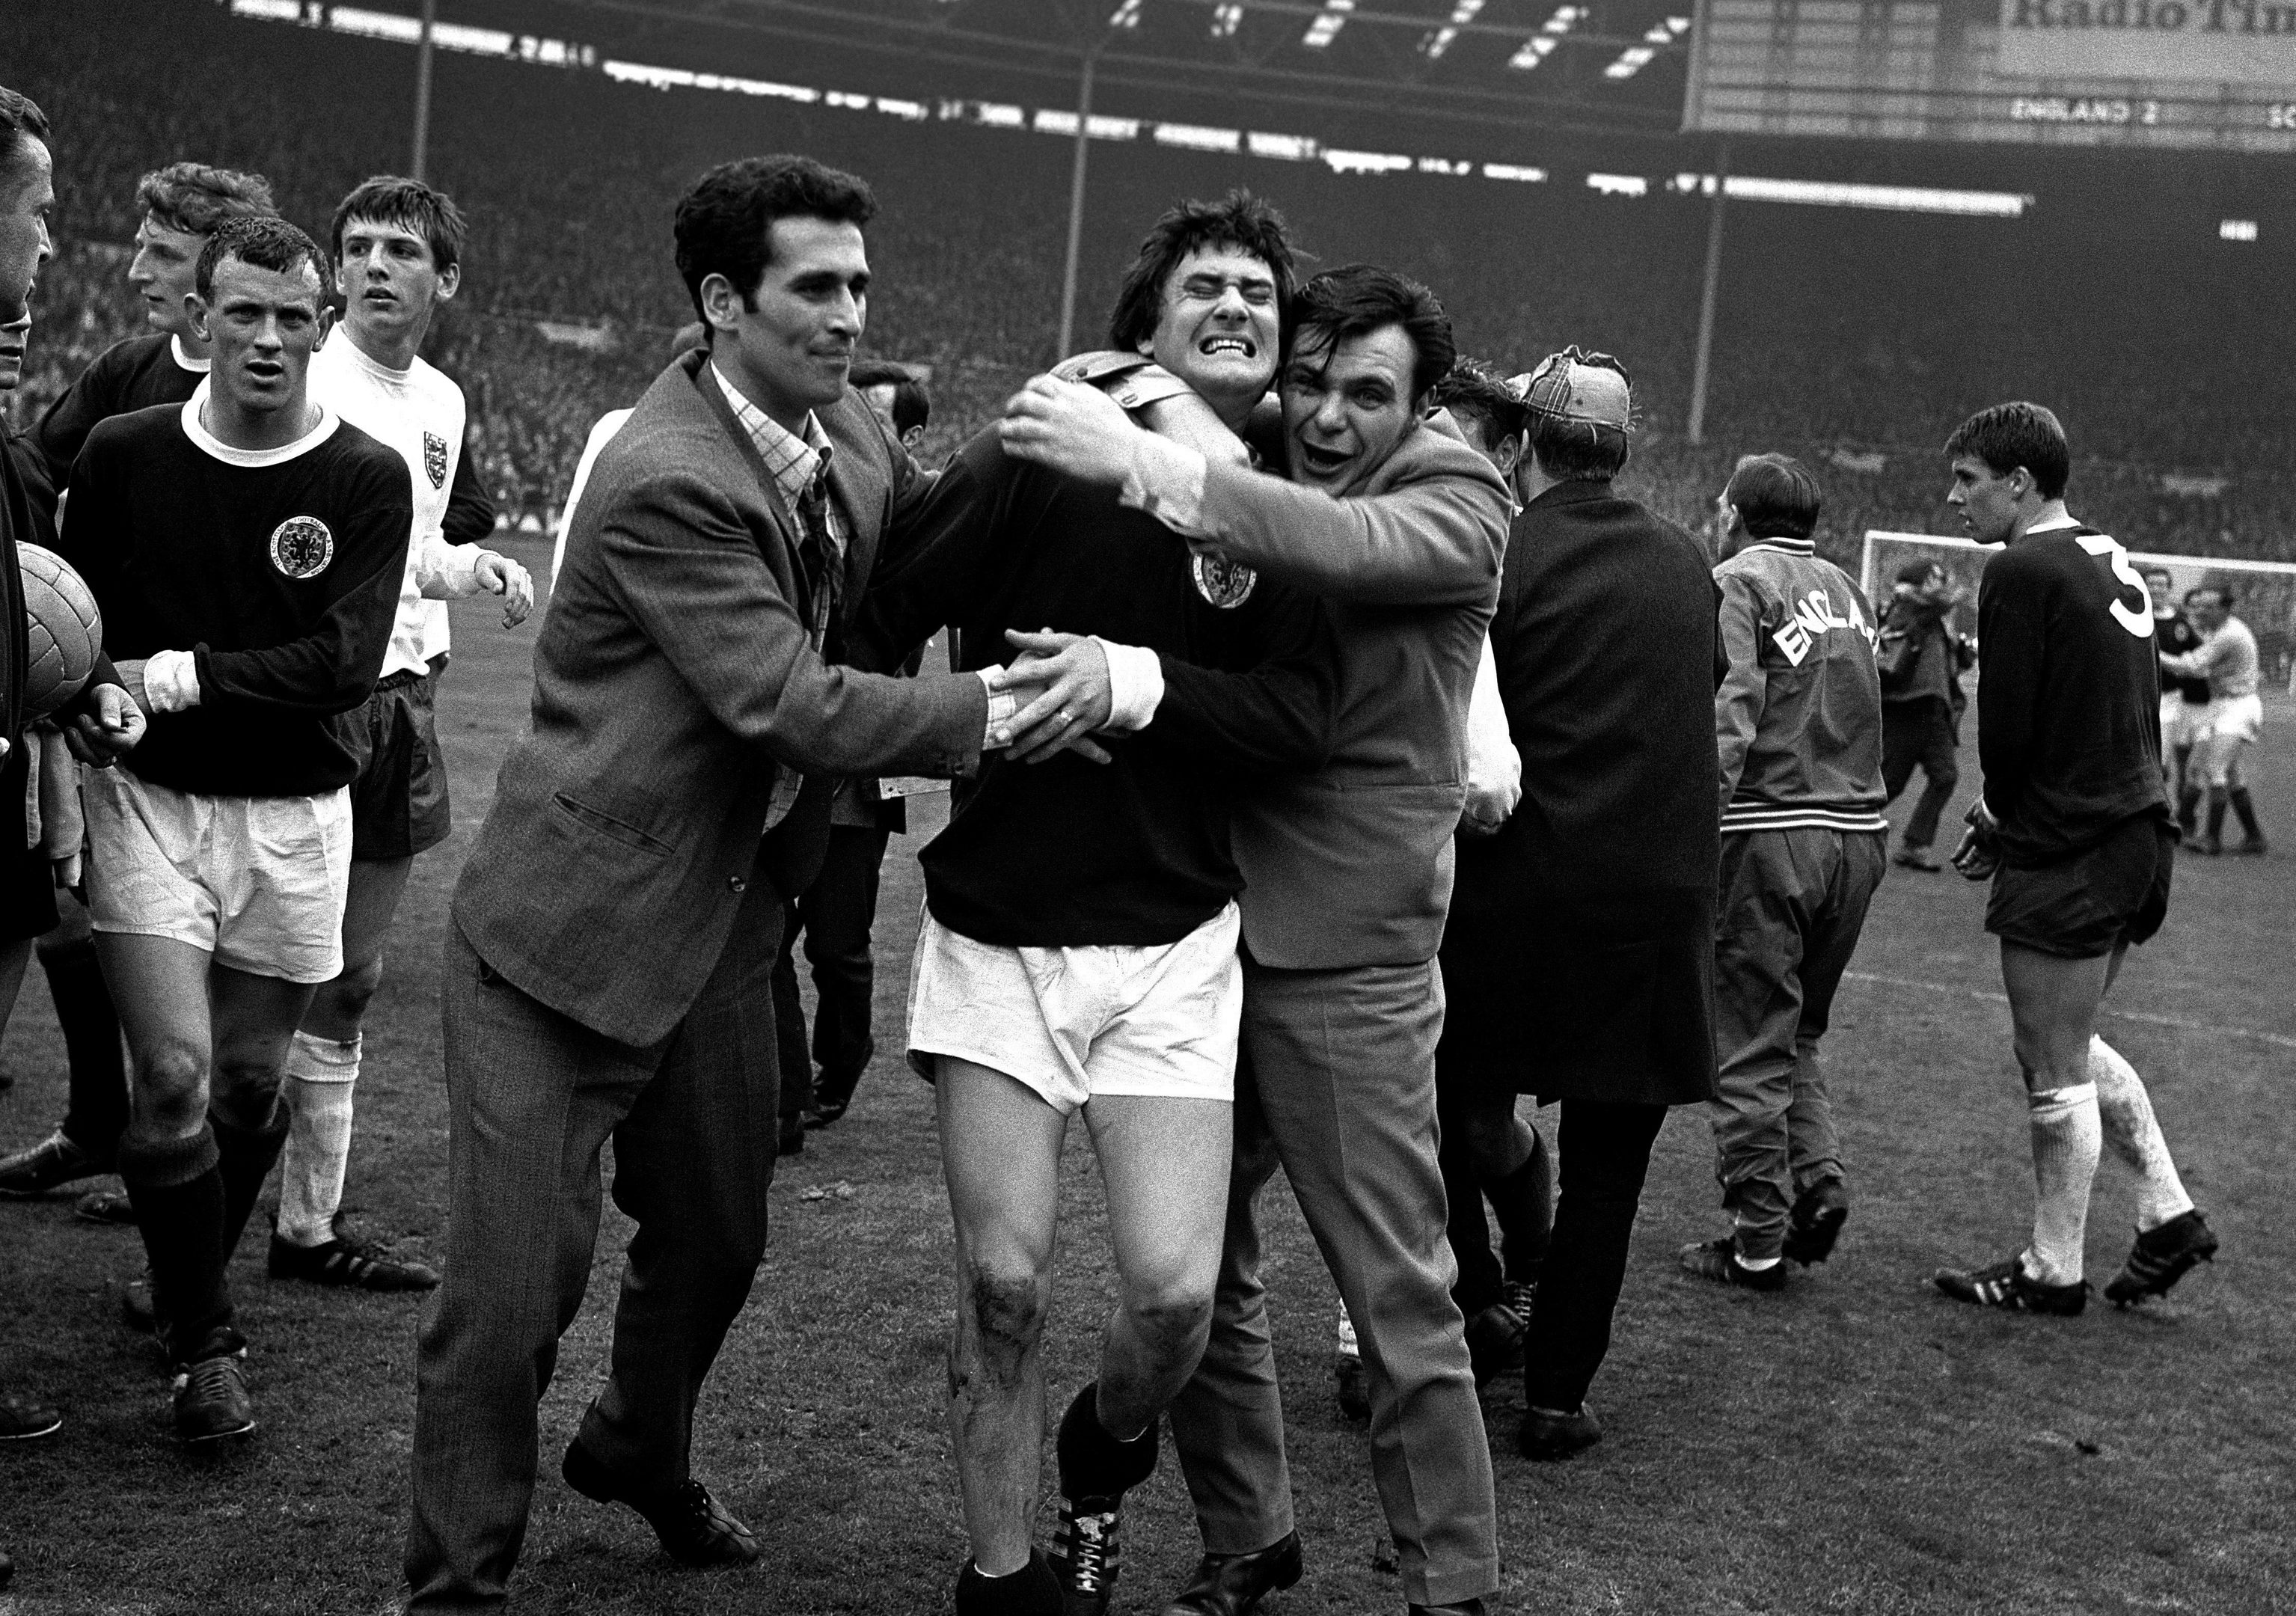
2219 41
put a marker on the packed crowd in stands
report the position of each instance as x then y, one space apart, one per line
1848 339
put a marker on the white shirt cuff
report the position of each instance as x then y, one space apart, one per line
1136 684
171 681
1003 706
1166 480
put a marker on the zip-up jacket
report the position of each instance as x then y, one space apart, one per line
1798 719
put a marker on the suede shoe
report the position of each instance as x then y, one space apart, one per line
1234 1585
2162 1257
1816 1221
1546 1434
1717 1259
2006 1285
694 1527
54 1161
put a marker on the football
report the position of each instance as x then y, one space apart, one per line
63 630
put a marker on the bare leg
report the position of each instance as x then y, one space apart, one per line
1165 1164
2052 1004
1000 1151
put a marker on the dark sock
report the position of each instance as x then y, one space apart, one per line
247 1156
2246 809
97 1112
1524 1201
1033 1590
1094 1464
177 1191
2216 813
2188 807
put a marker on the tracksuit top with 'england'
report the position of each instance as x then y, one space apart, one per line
278 569
1799 718
2069 703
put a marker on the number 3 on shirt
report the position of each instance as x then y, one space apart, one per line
2136 620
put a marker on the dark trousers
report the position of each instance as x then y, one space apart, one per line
532 1097
1792 905
1338 1086
836 914
1919 734
1605 1149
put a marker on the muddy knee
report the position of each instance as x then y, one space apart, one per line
1003 1320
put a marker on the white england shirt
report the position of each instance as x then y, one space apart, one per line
420 412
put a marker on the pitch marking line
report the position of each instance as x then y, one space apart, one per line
2277 1040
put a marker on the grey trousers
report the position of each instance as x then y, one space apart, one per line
1337 1084
1791 906
532 1097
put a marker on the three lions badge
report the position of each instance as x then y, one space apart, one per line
1225 584
301 547
434 458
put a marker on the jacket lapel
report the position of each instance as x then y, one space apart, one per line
858 484
793 532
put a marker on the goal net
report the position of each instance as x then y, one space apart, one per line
2263 593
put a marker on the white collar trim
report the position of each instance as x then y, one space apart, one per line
184 360
210 444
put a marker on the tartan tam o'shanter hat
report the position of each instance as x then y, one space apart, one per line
1575 385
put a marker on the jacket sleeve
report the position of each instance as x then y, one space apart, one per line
333 667
689 572
1738 704
1276 715
2012 631
1434 539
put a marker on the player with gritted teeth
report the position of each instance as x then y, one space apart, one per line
246 550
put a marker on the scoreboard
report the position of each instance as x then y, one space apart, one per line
2180 75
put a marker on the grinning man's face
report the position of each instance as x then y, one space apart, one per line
1346 405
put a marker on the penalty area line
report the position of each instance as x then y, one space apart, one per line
2181 1023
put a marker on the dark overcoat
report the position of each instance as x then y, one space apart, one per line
1579 957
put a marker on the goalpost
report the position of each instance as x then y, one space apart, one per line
2264 592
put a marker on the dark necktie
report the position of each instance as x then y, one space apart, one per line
817 554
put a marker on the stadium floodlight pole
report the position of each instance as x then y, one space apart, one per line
1704 368
1075 205
422 93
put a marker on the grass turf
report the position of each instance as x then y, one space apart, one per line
1856 1444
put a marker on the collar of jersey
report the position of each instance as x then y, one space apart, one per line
368 363
210 443
2055 524
1788 546
183 361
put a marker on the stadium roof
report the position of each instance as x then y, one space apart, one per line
1612 67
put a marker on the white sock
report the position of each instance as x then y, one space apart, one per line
2067 1139
320 1073
1758 1265
2125 1110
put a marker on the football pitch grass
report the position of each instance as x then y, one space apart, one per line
1856 1444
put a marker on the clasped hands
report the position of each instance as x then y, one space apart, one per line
1063 685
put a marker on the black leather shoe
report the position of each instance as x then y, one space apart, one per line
1549 1435
55 1161
693 1528
1234 1585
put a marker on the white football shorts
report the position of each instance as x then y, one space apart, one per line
2182 722
1070 1023
257 882
2234 718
